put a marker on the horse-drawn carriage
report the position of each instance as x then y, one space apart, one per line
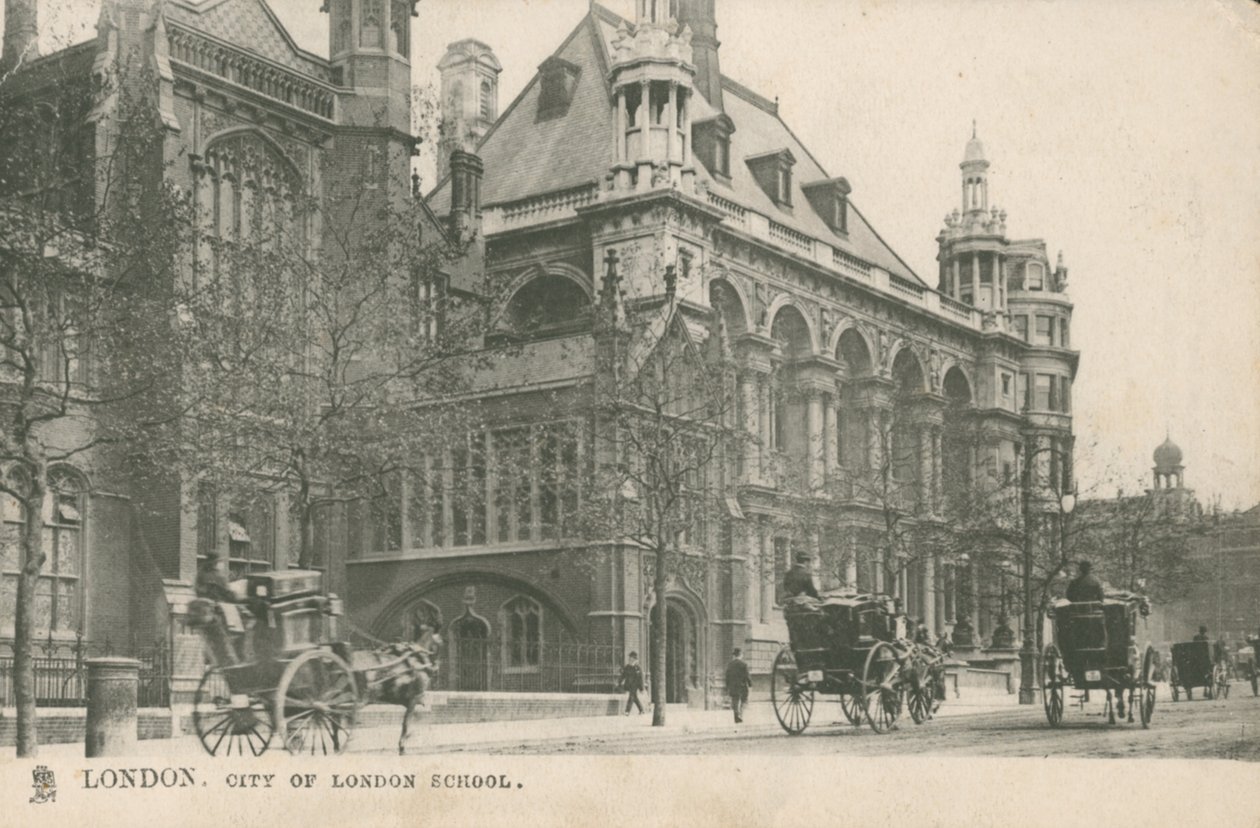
280 668
1195 665
853 647
1094 649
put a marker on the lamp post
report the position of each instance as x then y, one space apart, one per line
1067 502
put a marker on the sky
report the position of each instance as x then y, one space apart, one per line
1124 133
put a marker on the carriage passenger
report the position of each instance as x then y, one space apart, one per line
1084 587
799 580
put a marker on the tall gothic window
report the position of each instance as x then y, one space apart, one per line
58 595
522 626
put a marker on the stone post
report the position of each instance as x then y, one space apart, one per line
111 706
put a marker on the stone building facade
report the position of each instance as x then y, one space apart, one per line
851 368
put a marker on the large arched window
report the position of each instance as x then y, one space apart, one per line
522 631
548 304
58 594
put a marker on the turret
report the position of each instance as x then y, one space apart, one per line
370 50
651 79
470 98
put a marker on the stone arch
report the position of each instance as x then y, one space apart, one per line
791 327
957 386
547 295
851 347
209 145
734 303
687 647
386 620
907 369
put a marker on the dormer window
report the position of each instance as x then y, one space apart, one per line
711 140
830 199
773 171
1035 276
557 81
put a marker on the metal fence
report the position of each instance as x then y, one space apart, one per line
490 664
61 673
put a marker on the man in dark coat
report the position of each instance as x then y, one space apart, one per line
738 681
1084 587
632 683
1202 636
799 580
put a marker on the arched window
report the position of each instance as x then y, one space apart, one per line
548 304
487 101
251 535
58 596
522 626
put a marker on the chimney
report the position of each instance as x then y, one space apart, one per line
466 174
21 33
701 17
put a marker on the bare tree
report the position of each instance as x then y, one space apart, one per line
88 240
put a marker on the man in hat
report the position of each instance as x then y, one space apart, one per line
632 682
799 580
1084 587
738 681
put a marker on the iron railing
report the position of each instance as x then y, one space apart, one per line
490 664
61 672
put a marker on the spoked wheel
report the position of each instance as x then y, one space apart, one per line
1220 681
1174 684
229 724
1255 681
919 703
882 687
1146 688
1053 681
852 708
316 703
793 700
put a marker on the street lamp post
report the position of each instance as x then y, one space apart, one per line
1028 647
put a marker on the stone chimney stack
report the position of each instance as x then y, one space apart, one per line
702 18
466 174
21 33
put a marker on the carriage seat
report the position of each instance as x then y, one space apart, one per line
1085 625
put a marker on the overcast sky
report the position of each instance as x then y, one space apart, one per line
1124 133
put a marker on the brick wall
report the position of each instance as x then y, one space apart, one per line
58 727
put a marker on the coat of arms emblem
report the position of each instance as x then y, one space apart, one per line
45 785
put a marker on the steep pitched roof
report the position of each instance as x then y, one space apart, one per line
247 23
525 157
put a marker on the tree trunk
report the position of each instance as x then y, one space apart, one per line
24 624
659 641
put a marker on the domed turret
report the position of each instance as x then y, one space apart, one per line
1168 467
975 149
1167 455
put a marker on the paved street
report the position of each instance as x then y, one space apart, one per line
1226 729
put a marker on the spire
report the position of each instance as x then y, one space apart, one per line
701 17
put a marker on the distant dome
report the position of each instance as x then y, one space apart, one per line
1168 455
975 150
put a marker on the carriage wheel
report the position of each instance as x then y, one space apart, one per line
1221 681
1255 681
793 702
852 708
919 703
316 703
1146 688
881 687
1053 681
229 724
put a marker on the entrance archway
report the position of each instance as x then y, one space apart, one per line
470 636
682 651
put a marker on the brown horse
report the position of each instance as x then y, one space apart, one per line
400 673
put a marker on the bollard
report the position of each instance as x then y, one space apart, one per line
111 706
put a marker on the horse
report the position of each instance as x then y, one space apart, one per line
400 673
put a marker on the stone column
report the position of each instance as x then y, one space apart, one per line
814 450
874 449
111 728
956 288
752 451
670 122
925 470
831 436
752 561
973 583
975 279
764 402
767 570
621 126
851 568
938 469
930 614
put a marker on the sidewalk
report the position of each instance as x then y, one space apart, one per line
759 719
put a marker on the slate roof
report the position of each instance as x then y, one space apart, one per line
524 157
250 24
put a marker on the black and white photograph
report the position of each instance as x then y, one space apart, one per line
630 412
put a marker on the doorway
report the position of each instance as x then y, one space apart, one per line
682 652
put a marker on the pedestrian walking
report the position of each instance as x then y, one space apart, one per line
738 681
632 682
